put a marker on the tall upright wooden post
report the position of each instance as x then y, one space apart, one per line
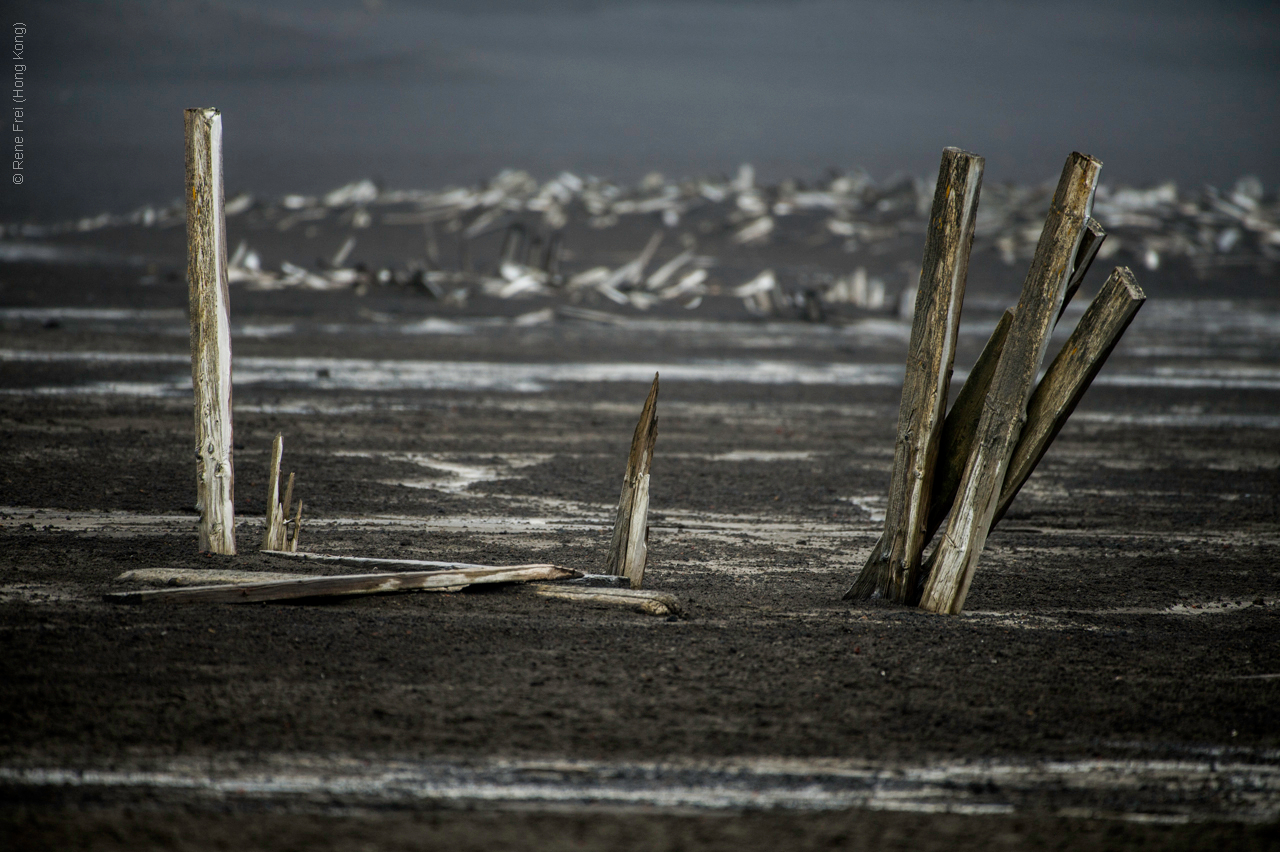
210 330
893 568
1004 412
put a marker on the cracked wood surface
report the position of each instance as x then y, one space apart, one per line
210 330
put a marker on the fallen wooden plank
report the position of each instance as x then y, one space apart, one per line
210 310
642 600
199 576
893 568
342 586
952 565
1069 376
379 562
629 550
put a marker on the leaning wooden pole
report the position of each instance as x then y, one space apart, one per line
892 571
954 561
210 331
629 551
1069 376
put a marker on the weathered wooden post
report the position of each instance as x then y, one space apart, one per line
210 330
953 562
629 551
892 571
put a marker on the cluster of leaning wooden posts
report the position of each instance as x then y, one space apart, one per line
963 465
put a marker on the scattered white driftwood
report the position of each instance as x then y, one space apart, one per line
341 586
629 550
210 330
642 600
893 568
281 532
953 562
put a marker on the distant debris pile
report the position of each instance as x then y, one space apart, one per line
1209 228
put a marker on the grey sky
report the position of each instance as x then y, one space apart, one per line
422 94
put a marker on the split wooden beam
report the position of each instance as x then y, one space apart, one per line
282 532
343 586
893 568
629 550
952 565
210 330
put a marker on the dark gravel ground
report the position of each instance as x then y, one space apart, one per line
1125 609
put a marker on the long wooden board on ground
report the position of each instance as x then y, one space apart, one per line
629 550
374 561
954 561
210 330
352 584
892 570
1069 376
641 600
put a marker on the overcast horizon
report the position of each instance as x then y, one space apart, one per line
418 94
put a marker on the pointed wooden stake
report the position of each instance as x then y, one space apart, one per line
629 551
953 563
210 330
1070 375
892 571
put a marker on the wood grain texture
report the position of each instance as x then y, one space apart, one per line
1069 376
892 570
961 425
210 330
342 586
951 568
629 550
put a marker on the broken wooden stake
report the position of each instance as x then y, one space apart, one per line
892 570
1069 376
342 586
951 567
281 531
210 330
629 551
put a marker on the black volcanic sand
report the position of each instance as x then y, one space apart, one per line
1069 649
